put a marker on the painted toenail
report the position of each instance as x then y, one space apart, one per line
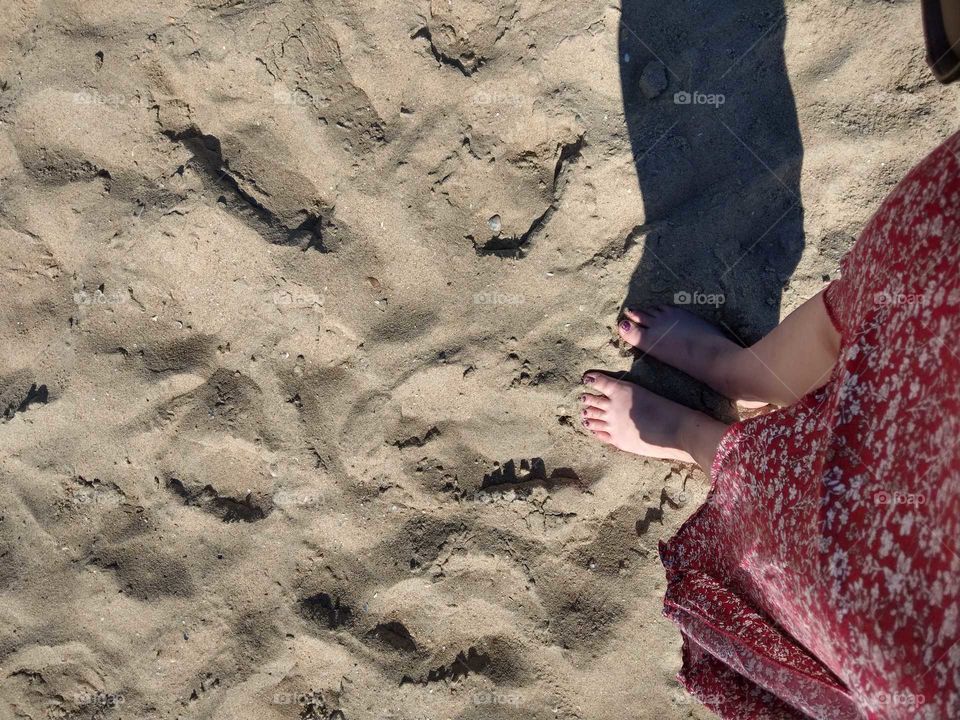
624 324
588 379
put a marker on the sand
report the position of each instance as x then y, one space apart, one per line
296 298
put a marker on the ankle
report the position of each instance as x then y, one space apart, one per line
732 368
698 435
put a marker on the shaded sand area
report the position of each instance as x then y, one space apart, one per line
296 298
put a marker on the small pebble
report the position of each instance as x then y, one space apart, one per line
653 79
495 223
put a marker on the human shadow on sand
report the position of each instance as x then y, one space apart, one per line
717 149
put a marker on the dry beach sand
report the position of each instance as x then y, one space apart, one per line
296 298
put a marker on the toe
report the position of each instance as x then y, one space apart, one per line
632 314
597 401
601 435
641 317
630 331
594 424
593 412
598 381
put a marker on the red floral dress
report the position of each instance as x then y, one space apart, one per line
821 578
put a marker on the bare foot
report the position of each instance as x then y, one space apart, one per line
641 422
689 343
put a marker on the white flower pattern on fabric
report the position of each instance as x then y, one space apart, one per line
821 578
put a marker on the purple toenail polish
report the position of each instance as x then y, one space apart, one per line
624 324
588 378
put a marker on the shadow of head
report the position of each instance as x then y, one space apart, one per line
717 149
